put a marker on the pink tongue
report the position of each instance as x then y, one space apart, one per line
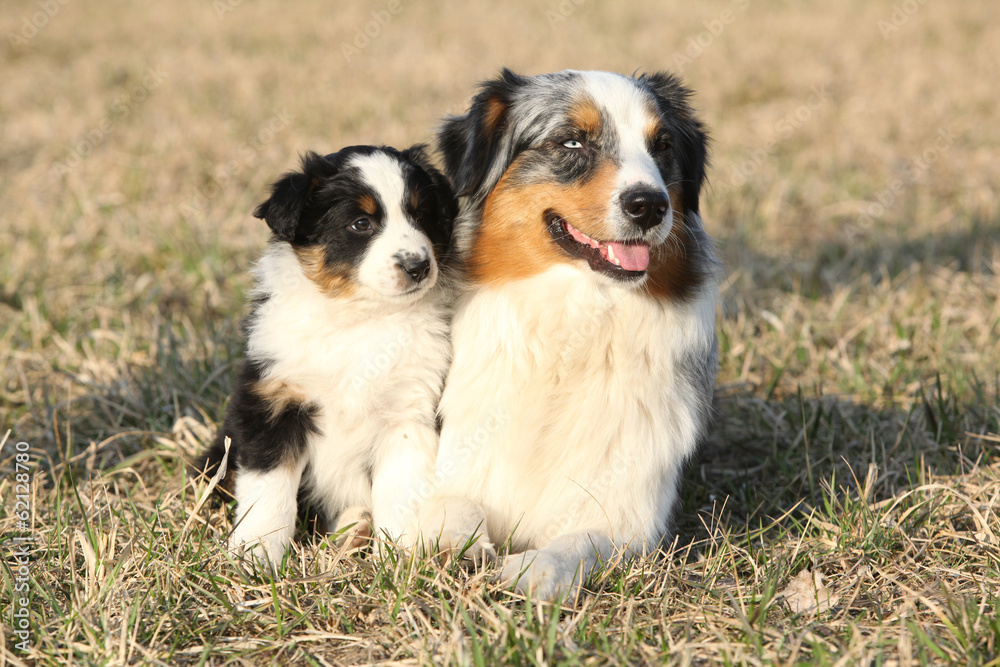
633 257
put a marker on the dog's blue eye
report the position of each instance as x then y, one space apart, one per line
572 143
362 225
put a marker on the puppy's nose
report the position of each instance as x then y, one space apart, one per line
645 207
415 266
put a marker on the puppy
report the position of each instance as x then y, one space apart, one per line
347 349
584 345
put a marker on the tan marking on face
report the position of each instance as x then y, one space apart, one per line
586 116
278 395
414 199
512 241
652 129
672 271
368 204
334 282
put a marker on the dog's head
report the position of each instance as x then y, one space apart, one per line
368 220
592 169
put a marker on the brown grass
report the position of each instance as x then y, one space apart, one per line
853 195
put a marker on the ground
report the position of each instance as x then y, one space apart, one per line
844 509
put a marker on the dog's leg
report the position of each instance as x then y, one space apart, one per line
266 504
561 567
401 482
353 527
454 520
452 523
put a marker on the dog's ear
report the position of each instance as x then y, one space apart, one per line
289 194
470 144
688 132
446 205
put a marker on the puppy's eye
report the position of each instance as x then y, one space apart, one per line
572 143
660 145
362 226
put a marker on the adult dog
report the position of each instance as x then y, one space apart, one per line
584 346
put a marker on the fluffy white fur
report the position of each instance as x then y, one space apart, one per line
375 368
577 452
573 399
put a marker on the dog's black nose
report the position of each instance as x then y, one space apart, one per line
418 268
645 208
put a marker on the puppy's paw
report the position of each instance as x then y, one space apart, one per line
543 574
262 553
353 527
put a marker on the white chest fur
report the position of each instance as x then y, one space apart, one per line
572 403
354 352
373 369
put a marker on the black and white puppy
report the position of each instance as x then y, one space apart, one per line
347 349
584 342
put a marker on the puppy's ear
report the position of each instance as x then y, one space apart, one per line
691 140
289 195
446 203
471 143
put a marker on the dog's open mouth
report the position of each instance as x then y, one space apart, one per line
623 260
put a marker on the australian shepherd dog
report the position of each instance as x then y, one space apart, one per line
347 350
584 344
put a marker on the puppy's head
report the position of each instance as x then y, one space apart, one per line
370 221
592 169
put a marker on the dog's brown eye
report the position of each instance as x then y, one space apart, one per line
362 225
660 145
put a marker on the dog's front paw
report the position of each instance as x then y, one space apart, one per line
456 525
353 527
262 552
474 547
543 574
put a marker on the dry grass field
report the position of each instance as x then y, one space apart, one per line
856 165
